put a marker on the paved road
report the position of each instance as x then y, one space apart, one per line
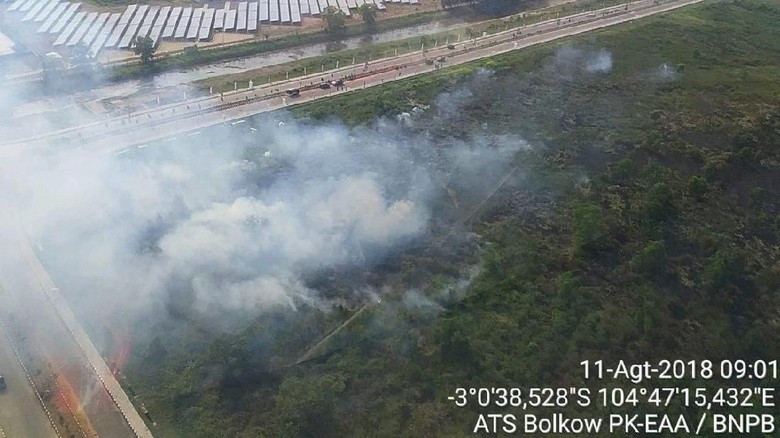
45 329
21 413
116 134
113 98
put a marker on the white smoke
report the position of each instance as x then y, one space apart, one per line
568 62
235 221
600 62
666 72
450 104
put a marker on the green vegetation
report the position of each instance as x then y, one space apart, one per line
309 65
498 5
591 234
644 227
256 46
335 20
370 52
144 47
368 13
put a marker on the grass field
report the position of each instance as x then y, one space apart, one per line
643 225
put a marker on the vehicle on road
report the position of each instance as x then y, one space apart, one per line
325 85
441 59
293 92
451 46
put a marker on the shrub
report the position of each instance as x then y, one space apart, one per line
724 268
651 259
590 231
623 169
698 187
757 195
659 202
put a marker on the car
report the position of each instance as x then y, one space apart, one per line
441 59
451 46
2 382
324 85
293 92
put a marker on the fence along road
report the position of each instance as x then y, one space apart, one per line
146 126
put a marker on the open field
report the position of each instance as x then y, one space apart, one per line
640 223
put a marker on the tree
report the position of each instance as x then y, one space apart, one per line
698 187
81 58
651 259
659 202
304 406
144 47
724 268
591 233
80 54
335 20
368 12
623 170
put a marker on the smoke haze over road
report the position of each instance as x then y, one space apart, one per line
234 218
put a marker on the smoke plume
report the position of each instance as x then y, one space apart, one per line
235 219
